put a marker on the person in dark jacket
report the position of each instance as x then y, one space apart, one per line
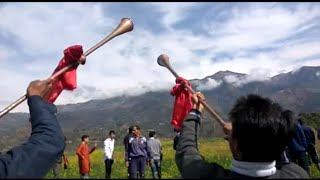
257 136
125 141
35 158
137 153
126 138
311 143
297 148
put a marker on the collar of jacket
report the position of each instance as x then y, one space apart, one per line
254 169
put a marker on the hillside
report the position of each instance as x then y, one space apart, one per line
298 91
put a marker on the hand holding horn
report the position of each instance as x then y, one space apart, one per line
163 60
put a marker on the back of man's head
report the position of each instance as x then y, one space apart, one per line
300 121
152 134
130 129
259 128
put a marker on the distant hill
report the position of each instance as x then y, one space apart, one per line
298 91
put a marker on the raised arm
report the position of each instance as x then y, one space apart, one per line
188 159
93 148
36 157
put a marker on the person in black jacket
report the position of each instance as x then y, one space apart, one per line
297 147
125 141
36 157
257 136
311 143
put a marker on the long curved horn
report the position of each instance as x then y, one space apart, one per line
126 25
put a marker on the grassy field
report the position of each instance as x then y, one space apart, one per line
213 150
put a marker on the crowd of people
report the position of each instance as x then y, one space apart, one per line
265 140
139 152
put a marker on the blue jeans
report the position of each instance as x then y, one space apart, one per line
156 169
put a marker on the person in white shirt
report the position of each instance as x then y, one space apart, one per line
108 152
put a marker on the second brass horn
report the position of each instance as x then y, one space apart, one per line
163 60
125 25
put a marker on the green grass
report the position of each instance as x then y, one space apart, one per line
213 150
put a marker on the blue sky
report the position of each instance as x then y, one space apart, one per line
259 39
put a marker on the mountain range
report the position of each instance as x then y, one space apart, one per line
297 90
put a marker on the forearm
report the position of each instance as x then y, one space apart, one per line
148 150
126 152
92 149
65 160
187 155
45 145
80 155
79 150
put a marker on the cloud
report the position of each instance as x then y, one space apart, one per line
318 74
208 85
299 51
173 12
254 25
258 39
240 81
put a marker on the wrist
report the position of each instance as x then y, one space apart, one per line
197 107
196 112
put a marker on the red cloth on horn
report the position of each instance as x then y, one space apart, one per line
182 103
68 80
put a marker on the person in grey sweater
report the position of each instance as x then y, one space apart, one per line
257 135
155 151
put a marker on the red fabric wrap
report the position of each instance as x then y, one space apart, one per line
182 103
68 80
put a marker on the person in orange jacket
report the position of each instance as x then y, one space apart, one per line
83 153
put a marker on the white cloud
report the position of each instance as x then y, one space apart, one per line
48 27
173 11
256 75
299 51
260 25
208 85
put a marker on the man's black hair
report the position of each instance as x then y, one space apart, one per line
260 129
130 129
112 132
152 133
84 137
